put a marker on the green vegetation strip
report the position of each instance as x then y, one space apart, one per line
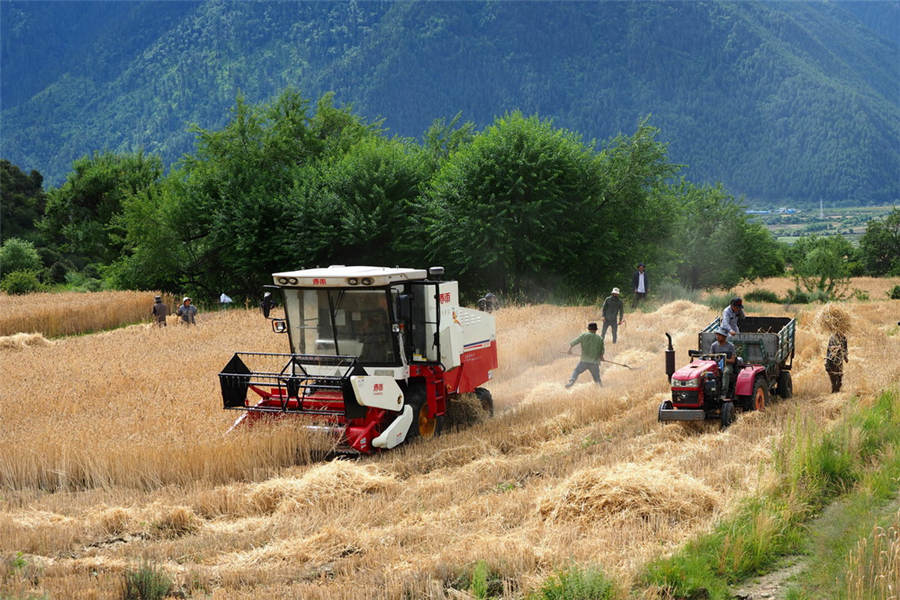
856 461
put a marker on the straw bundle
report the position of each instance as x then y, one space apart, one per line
20 341
626 490
465 411
332 482
833 319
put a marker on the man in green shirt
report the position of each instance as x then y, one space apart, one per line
613 314
591 354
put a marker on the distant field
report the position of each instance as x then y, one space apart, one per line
113 453
72 313
850 222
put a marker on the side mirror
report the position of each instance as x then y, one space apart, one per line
404 307
279 325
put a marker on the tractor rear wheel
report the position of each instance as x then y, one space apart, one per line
727 414
760 394
785 385
487 401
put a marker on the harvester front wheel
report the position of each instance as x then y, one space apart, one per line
424 426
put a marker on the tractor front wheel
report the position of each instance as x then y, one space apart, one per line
760 394
727 414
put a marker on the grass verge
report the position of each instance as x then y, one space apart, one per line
858 458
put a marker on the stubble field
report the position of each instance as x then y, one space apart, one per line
113 454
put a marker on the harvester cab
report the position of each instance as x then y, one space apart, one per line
376 355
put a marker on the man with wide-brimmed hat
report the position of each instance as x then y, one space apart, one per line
591 354
187 312
613 311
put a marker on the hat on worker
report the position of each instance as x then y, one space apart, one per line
592 326
738 301
722 331
157 297
615 290
185 299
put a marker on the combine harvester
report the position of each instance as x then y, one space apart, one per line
377 354
765 350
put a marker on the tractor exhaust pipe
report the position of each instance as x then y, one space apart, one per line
670 359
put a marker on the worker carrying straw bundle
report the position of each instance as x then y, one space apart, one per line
835 321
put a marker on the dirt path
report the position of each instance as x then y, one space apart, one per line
771 586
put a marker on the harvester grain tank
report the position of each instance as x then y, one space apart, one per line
377 354
765 350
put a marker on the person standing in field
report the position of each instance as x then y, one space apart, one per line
639 284
187 312
613 311
835 356
159 311
835 321
591 354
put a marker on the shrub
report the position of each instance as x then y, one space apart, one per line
145 583
576 584
797 296
21 282
762 296
484 583
895 292
18 255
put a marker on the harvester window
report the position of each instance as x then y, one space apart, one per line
340 321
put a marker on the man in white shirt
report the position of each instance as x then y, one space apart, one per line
639 284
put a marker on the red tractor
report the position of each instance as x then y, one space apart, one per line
377 354
765 351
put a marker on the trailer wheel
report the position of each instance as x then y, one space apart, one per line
785 385
487 401
727 414
760 394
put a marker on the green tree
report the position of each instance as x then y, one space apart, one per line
822 265
83 214
356 208
718 246
880 245
22 202
527 207
18 255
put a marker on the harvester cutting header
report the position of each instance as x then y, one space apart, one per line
377 354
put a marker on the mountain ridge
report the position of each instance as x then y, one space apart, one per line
787 101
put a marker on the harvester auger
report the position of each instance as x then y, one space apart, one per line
377 354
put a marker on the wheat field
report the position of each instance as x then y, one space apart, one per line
113 453
71 313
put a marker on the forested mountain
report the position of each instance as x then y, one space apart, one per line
779 101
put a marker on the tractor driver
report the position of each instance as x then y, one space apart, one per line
723 346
